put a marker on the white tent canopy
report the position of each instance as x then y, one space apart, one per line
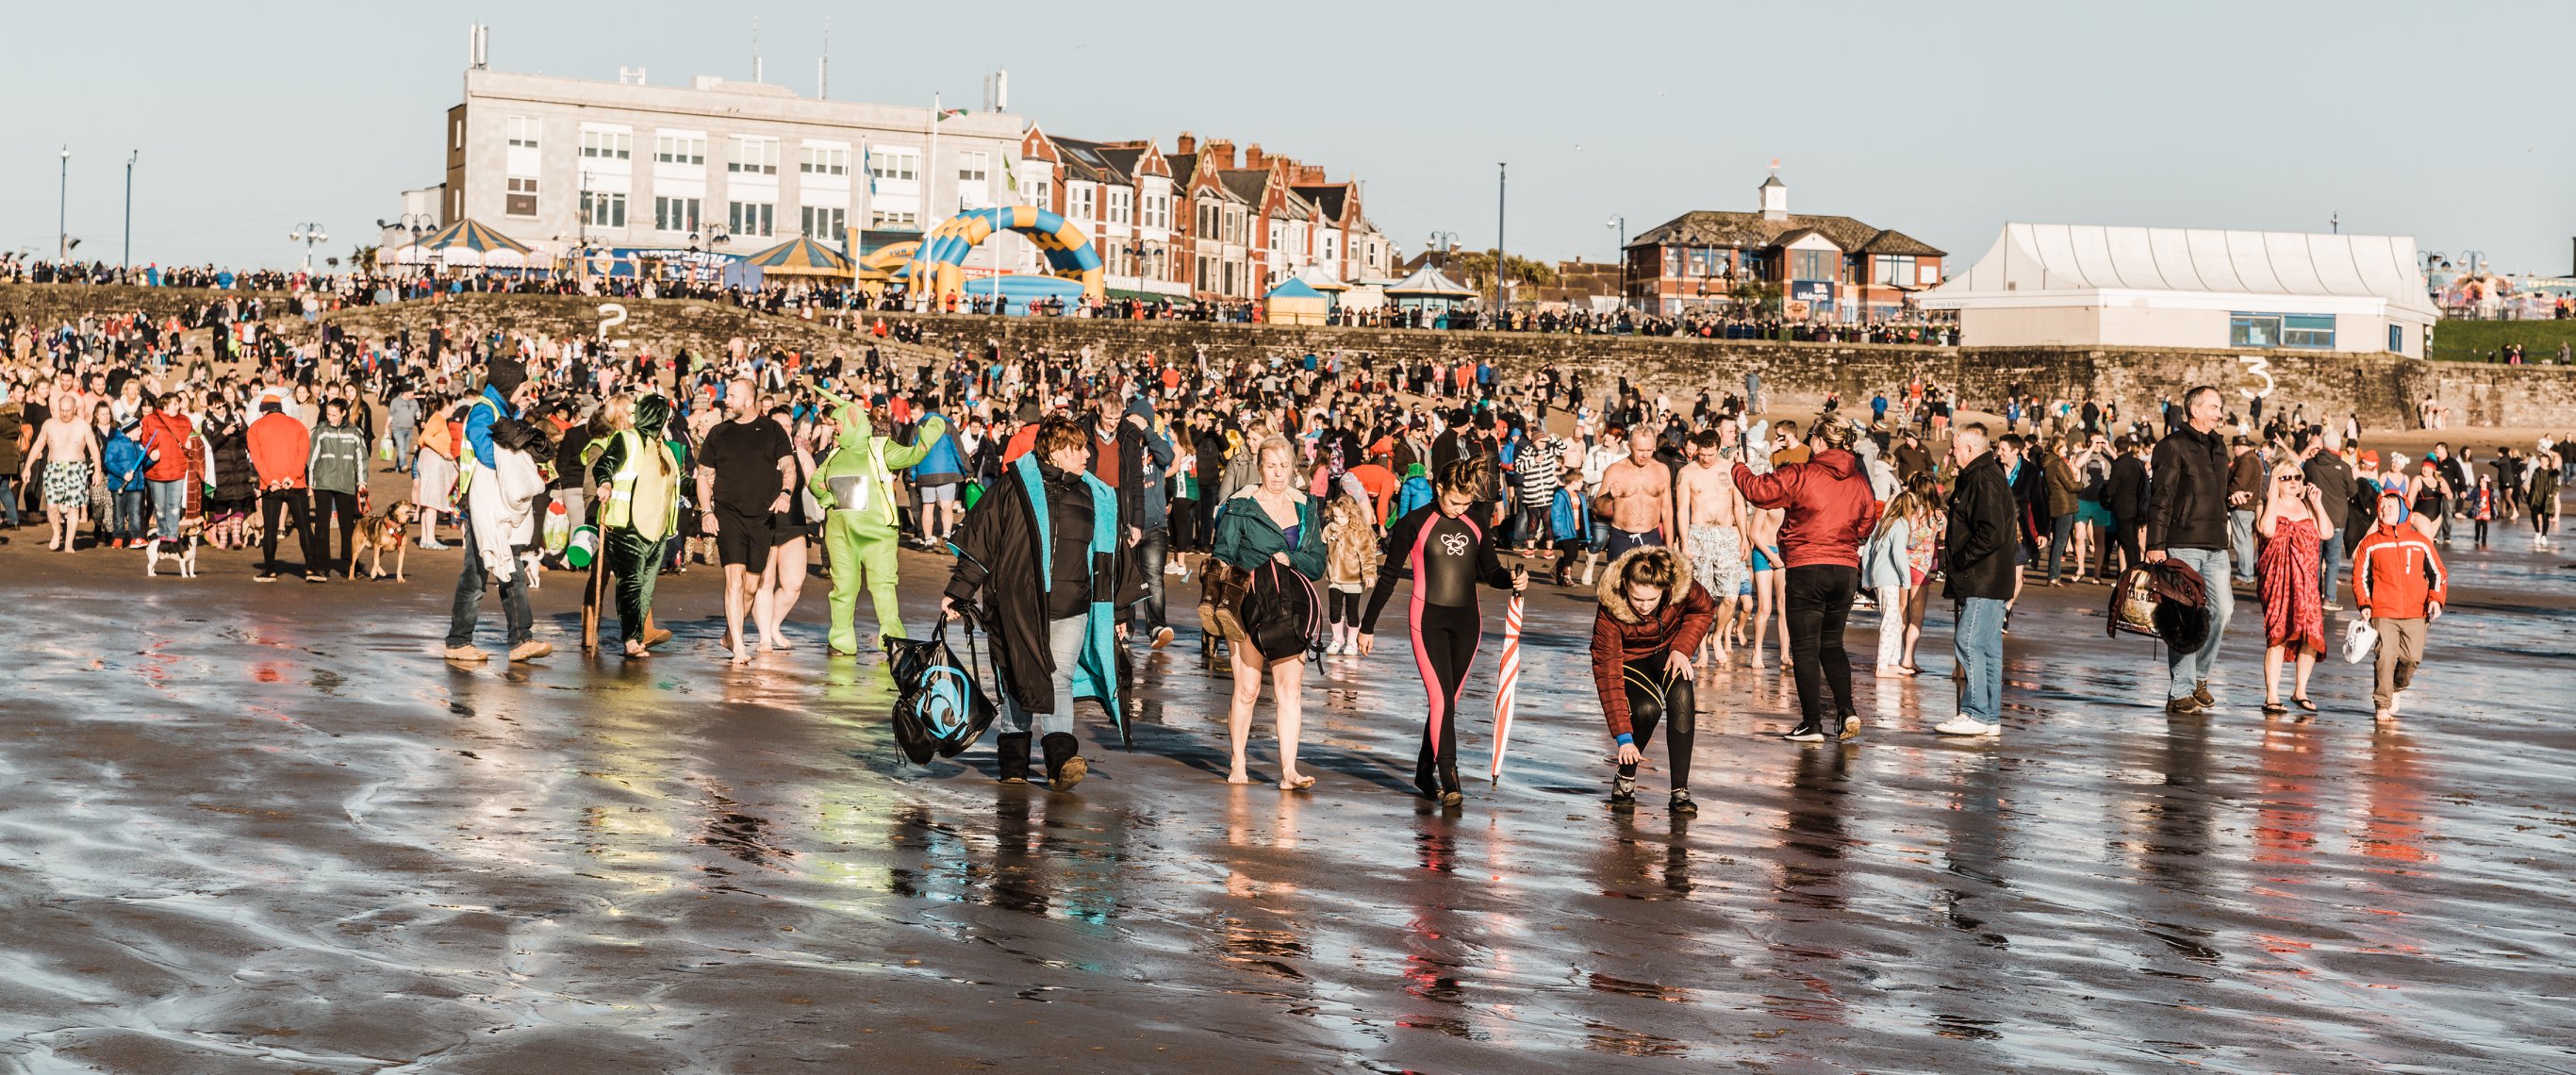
2066 259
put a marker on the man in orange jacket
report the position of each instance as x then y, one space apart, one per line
280 448
2399 583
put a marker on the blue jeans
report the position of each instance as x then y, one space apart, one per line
9 498
1064 643
2192 668
1978 644
129 515
2061 545
169 502
2240 537
469 598
2330 563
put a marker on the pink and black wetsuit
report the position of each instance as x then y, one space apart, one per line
1446 556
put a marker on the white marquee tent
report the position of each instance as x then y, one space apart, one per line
2087 284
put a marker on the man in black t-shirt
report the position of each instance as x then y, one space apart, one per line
746 472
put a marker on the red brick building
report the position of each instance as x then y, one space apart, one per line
1830 268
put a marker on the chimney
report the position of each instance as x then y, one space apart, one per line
1187 146
1252 157
1310 175
1775 195
1223 150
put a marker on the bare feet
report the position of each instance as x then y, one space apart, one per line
1293 782
1237 776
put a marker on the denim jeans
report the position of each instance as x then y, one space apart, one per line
2191 668
9 498
2061 542
2329 563
1064 643
1978 643
129 515
469 600
1152 551
2240 537
169 502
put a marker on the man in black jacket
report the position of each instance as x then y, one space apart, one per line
2331 477
2125 495
1977 558
2187 521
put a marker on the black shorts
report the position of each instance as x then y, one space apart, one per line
742 539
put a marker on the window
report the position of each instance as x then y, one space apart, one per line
523 132
1039 192
824 221
600 209
896 220
675 214
1158 211
1894 269
521 198
1121 202
823 160
757 156
2314 331
679 149
896 164
1078 202
1206 269
2308 330
1275 231
974 167
1207 220
1811 265
608 145
1233 227
751 219
2397 339
460 135
2254 330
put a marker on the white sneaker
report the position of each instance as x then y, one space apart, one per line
1966 725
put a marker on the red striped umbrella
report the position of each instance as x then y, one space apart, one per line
1508 686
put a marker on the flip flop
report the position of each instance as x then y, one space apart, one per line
2304 704
2274 709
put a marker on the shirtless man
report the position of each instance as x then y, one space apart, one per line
1640 489
1770 571
1712 524
71 456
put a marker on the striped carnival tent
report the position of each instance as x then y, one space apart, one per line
466 244
801 256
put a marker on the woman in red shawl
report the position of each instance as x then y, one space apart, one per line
2294 618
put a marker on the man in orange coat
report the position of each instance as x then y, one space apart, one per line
2398 581
280 448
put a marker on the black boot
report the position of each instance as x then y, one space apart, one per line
1623 791
1013 755
1064 763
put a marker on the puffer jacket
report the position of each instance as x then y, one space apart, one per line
1620 634
1350 548
2187 497
1830 509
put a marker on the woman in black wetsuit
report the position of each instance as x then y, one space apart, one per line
1446 554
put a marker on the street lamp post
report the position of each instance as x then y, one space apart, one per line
63 211
310 235
1620 224
130 158
1502 279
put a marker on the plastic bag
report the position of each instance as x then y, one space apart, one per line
940 707
2359 639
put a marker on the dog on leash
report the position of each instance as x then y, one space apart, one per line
384 532
182 549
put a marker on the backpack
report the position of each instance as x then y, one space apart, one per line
939 707
1281 613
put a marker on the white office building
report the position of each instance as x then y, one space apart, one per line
2089 285
561 162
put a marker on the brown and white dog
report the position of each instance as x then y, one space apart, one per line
382 533
182 549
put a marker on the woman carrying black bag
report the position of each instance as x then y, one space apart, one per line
1273 532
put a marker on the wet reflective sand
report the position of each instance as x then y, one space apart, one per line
262 828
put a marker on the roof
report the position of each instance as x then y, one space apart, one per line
2061 259
1246 183
1428 280
1328 199
801 256
1753 231
1294 288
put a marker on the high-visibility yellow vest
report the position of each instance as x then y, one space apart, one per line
642 494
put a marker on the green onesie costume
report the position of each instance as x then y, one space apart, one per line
855 485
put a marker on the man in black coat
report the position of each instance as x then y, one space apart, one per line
1978 563
2332 478
2125 495
2186 520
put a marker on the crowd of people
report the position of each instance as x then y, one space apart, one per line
1299 492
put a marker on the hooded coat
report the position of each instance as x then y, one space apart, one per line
1003 554
1621 634
859 474
1830 509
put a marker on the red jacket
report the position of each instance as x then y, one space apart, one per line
1620 635
280 449
1831 510
2396 572
166 435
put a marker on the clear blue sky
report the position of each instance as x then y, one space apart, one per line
2446 122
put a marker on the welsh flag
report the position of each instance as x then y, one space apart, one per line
947 112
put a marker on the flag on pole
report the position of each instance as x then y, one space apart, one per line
947 112
1507 685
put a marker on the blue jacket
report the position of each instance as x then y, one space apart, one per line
478 425
943 460
125 463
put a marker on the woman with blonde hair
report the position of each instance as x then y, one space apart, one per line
1896 564
1271 524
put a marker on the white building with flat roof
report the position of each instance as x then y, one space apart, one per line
557 162
2090 284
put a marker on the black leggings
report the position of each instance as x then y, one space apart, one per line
1344 606
1655 695
1820 599
1444 644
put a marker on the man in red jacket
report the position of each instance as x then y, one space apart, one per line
280 448
1829 512
2399 583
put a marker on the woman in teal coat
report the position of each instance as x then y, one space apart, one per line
1272 523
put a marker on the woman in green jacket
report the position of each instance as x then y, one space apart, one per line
1273 522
